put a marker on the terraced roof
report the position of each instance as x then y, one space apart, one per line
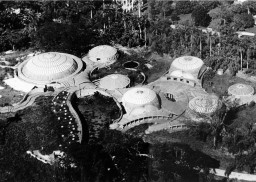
49 66
204 104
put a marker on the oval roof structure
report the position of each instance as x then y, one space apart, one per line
139 96
204 104
102 54
241 90
114 81
49 66
187 63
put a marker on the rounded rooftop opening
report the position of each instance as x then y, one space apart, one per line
131 64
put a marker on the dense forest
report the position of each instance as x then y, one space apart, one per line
159 26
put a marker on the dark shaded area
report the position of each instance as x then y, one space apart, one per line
131 64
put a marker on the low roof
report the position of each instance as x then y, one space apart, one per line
172 107
241 90
114 81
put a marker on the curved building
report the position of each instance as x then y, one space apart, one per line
205 104
187 69
184 77
114 81
103 54
49 67
239 90
140 99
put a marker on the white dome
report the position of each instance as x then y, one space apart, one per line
187 63
176 73
241 90
181 74
204 104
144 110
114 81
49 66
103 53
139 96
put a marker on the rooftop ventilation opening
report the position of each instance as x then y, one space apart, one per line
131 64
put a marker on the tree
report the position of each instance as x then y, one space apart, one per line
242 21
200 16
220 16
185 7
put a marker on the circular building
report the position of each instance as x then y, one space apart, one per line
204 104
114 81
49 67
189 64
239 90
140 98
103 54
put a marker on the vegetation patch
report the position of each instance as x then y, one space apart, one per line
97 111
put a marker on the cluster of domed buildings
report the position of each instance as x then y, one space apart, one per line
178 95
178 92
160 101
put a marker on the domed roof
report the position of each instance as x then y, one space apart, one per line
187 63
102 53
240 90
204 104
50 66
148 109
114 81
179 73
139 96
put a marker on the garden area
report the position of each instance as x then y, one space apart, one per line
97 113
